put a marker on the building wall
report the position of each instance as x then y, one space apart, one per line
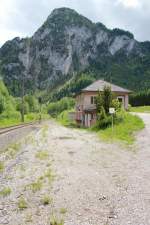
83 101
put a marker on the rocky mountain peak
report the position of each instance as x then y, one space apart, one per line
65 44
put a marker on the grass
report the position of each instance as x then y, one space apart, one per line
42 155
63 211
49 175
22 204
13 149
64 120
46 200
36 186
28 118
1 167
55 221
5 192
141 109
123 131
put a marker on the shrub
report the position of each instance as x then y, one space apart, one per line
116 104
32 103
56 108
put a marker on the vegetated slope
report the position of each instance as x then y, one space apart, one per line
68 44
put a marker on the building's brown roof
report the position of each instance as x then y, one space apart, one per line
100 84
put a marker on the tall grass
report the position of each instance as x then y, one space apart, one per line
123 130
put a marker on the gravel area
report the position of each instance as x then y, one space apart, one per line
88 182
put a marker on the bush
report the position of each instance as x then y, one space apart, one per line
56 108
63 118
32 103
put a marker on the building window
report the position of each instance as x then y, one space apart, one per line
93 99
120 99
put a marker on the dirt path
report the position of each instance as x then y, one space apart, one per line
95 183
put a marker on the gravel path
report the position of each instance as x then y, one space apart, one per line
89 182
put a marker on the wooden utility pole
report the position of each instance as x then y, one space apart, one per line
24 76
22 99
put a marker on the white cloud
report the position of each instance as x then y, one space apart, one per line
130 3
23 17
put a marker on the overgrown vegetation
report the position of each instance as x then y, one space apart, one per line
55 108
104 101
124 128
10 108
125 124
65 119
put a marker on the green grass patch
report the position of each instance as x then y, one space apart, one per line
6 122
42 155
141 109
5 192
22 204
55 221
124 130
65 120
1 167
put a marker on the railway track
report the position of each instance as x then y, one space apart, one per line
11 128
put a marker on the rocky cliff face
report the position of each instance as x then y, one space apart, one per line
67 43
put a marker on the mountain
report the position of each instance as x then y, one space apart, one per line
68 44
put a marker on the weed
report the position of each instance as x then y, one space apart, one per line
13 149
49 175
44 131
55 221
22 204
63 210
5 191
36 186
1 167
42 155
46 200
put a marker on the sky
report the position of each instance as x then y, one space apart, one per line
21 18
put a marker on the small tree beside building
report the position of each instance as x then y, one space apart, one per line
104 101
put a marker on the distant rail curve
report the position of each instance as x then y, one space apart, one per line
11 128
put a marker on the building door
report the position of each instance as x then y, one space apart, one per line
121 100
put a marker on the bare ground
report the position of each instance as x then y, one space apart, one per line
95 183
